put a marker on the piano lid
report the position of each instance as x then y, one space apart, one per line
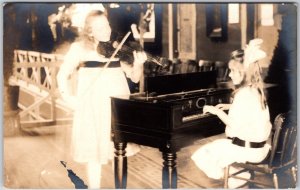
166 84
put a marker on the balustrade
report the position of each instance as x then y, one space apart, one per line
35 73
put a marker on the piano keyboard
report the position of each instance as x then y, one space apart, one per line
194 117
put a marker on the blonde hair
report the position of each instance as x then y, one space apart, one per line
86 34
252 75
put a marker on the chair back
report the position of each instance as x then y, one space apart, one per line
223 71
206 65
284 141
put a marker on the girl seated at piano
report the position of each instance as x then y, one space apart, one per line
247 123
91 132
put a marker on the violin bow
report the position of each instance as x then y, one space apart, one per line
107 63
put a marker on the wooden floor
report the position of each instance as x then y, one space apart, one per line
32 160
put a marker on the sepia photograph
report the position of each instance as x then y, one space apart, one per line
141 95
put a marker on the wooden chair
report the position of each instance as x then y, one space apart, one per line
206 65
223 71
282 157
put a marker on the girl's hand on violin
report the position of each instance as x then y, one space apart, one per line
139 58
135 31
210 109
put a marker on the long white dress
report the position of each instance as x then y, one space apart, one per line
250 123
92 113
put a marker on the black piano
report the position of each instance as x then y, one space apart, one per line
167 116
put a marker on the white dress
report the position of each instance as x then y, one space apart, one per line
250 123
92 113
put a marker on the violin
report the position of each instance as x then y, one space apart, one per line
126 51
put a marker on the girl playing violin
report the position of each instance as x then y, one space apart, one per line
91 131
247 123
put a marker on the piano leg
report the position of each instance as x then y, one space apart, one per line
169 172
120 166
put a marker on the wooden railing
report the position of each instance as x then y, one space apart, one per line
35 73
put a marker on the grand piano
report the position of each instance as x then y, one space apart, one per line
168 116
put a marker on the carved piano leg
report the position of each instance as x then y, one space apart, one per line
169 173
120 166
